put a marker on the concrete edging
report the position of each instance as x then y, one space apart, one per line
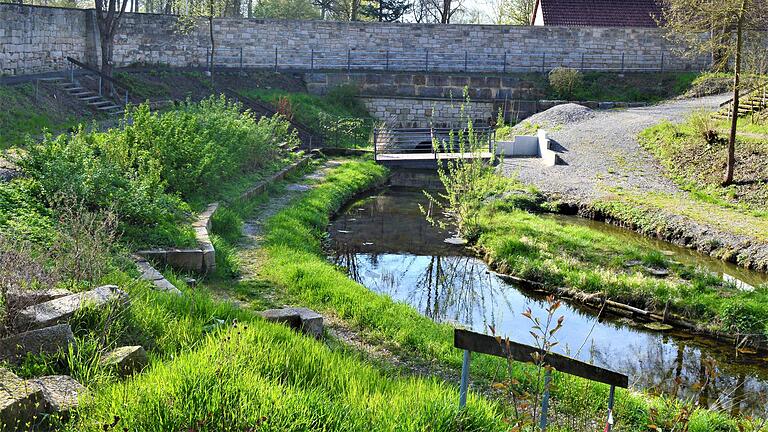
203 258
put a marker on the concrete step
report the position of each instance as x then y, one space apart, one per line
89 97
117 113
73 89
100 103
107 108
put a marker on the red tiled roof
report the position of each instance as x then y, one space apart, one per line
605 13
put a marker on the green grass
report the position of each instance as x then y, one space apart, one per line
338 117
215 367
532 247
699 167
628 87
23 116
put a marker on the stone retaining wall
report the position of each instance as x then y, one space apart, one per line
406 112
36 39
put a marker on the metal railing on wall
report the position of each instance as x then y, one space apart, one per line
443 61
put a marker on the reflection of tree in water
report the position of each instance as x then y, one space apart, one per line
447 288
681 371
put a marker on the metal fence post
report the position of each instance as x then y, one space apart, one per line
543 59
505 62
349 60
208 58
464 380
545 399
275 59
622 62
582 61
100 82
609 422
466 56
312 60
661 67
241 60
426 61
387 64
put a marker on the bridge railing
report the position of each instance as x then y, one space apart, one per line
431 140
499 61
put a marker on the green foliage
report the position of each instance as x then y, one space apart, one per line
148 171
745 317
338 117
285 9
23 115
565 81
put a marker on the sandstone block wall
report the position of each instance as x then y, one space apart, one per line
36 39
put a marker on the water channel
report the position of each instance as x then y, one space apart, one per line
386 244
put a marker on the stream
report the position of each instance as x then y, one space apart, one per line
385 243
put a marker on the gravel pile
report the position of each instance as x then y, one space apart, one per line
561 115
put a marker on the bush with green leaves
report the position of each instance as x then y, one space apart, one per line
150 169
565 81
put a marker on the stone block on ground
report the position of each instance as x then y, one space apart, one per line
20 401
47 340
61 309
60 393
302 319
157 279
127 359
19 298
185 259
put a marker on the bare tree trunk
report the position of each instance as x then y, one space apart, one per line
445 17
354 10
213 42
730 165
250 8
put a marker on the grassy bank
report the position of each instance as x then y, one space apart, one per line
536 248
695 158
212 373
339 117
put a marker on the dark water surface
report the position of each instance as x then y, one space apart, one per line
385 243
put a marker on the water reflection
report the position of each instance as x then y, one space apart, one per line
386 245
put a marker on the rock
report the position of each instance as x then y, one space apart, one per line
19 299
61 309
305 320
298 187
657 326
48 340
191 282
658 272
150 274
455 241
128 359
632 263
19 401
185 259
60 393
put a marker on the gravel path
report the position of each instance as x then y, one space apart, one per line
601 152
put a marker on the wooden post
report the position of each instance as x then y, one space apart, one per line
464 379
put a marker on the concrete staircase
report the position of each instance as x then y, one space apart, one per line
98 103
752 102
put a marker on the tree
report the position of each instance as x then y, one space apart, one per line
108 14
516 12
438 11
208 9
719 29
285 9
385 10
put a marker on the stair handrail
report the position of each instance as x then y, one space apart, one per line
743 93
92 69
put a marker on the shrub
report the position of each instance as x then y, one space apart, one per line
565 81
346 96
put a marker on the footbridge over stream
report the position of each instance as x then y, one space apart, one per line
427 148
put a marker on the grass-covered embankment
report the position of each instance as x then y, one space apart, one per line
339 117
212 374
697 163
293 260
540 249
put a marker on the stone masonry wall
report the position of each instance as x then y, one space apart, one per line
428 85
35 39
408 112
38 39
